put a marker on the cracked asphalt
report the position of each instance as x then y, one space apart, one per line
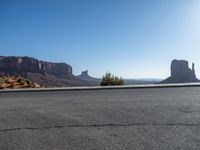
119 119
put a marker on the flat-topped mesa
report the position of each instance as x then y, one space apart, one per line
181 73
27 64
44 73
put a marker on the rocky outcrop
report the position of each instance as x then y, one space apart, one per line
16 82
181 73
41 72
86 77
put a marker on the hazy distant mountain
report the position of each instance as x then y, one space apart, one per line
86 77
181 73
142 81
41 72
151 79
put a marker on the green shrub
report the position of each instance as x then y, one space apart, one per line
21 81
12 85
109 79
1 81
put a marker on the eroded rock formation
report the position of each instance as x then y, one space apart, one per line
181 73
41 72
86 77
28 64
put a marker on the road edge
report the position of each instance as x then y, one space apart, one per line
101 87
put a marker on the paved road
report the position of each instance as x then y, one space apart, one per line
120 119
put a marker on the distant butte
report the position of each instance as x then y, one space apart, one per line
181 73
86 77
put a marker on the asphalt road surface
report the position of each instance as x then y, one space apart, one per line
120 119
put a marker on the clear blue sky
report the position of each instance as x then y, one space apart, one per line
129 38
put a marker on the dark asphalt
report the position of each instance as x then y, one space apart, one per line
120 119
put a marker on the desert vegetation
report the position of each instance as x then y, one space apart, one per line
109 79
16 82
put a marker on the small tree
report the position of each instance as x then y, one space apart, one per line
109 79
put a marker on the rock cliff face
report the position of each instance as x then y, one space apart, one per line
181 73
28 64
41 72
